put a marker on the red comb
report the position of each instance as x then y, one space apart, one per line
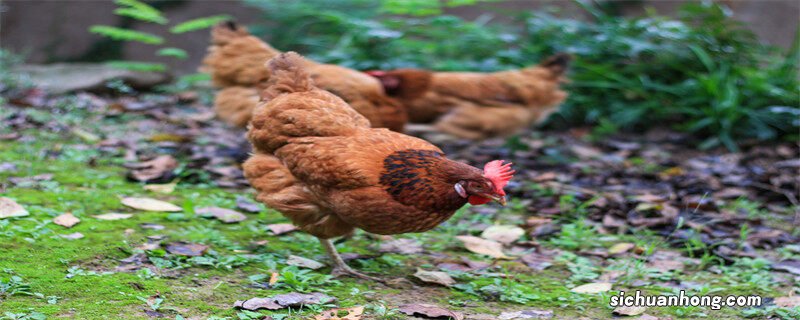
498 173
375 73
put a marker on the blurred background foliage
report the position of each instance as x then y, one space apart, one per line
701 72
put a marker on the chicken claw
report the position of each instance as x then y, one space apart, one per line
340 268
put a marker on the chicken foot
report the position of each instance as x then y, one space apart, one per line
340 268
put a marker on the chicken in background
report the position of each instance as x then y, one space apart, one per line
476 105
320 164
236 59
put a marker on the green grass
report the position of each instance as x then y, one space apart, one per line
55 277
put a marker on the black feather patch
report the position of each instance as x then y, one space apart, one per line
417 178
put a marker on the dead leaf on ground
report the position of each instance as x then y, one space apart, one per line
113 216
31 181
629 311
150 204
526 314
537 261
151 226
429 311
353 313
304 262
8 167
247 205
666 261
72 236
482 246
592 288
585 152
537 221
281 228
187 249
10 208
505 234
436 277
284 301
787 302
401 246
166 188
620 248
66 220
168 137
158 169
791 266
221 214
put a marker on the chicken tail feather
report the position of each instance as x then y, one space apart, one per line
226 31
287 75
557 63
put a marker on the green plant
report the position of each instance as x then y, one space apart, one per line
32 315
382 312
303 280
702 72
582 269
772 312
143 12
14 285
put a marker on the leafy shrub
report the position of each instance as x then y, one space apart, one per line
704 72
701 72
143 12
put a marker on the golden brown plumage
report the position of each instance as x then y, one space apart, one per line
236 59
479 105
319 163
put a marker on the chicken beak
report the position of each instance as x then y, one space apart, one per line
500 199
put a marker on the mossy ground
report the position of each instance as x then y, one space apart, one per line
76 278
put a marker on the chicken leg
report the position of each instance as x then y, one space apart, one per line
340 268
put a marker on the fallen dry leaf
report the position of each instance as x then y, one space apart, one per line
303 262
620 248
537 261
505 234
791 266
187 249
149 204
281 228
629 311
284 301
151 226
166 188
429 311
66 220
31 181
72 236
401 246
113 216
221 214
526 314
584 152
158 169
592 288
10 208
483 246
247 205
787 302
353 313
436 277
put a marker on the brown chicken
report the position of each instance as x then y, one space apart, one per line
476 105
319 163
236 62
